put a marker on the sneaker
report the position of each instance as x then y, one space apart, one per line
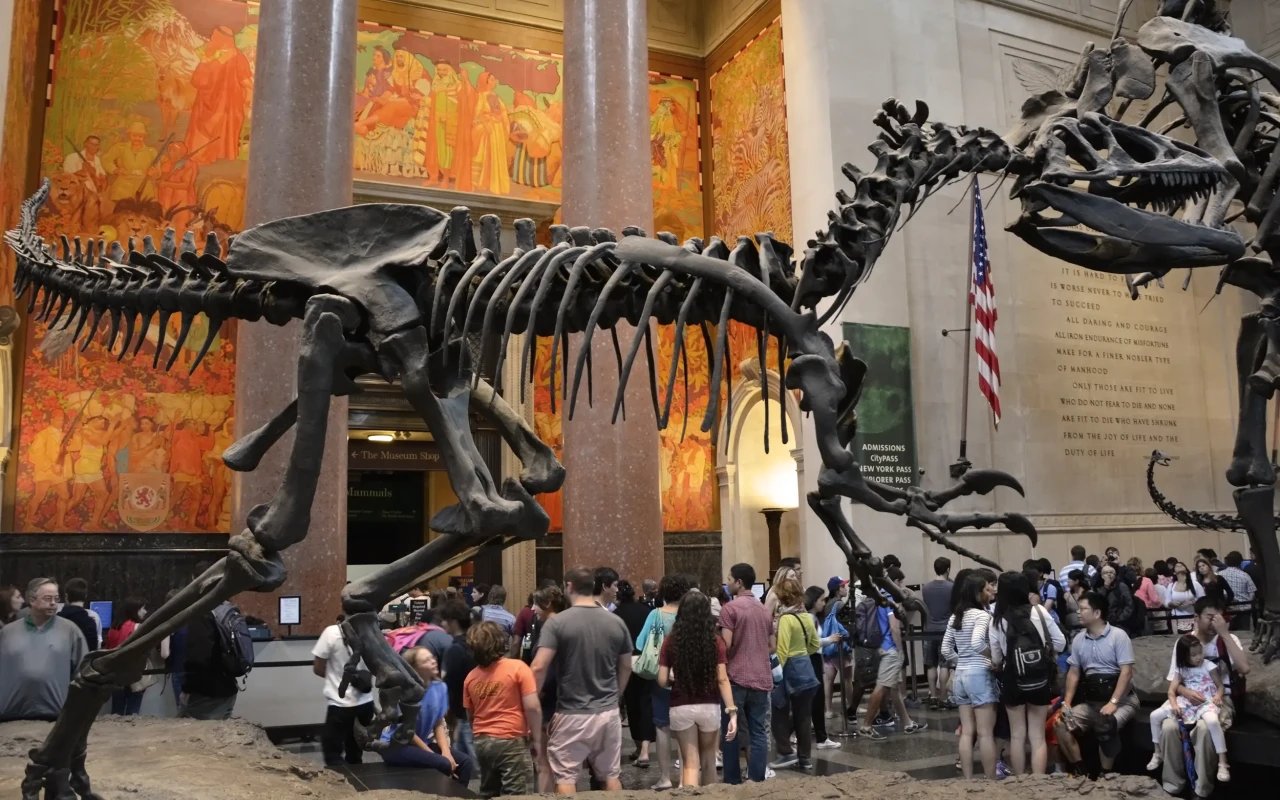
719 760
768 773
831 715
1155 762
793 738
883 719
1002 770
806 764
783 762
828 745
1224 773
872 734
915 727
661 786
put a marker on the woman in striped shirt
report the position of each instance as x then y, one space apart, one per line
973 688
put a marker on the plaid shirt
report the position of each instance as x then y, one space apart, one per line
1240 582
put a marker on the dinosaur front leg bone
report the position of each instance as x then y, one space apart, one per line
400 689
254 561
1256 507
480 508
245 454
1249 463
542 471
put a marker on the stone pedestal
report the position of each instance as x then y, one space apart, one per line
612 503
300 162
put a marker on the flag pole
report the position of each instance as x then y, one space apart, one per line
962 464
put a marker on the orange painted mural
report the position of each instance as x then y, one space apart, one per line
147 128
750 164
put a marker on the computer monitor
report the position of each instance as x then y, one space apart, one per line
103 609
760 590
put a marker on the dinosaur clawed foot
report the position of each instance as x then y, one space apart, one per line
513 513
542 471
983 481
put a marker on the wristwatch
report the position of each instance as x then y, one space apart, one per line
1115 702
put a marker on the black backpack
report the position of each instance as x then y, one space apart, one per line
866 625
1028 660
235 646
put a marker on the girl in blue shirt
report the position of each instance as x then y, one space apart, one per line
430 746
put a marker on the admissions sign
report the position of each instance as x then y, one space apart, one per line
885 444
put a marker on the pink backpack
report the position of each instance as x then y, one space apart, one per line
402 639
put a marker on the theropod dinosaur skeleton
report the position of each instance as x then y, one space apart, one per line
406 293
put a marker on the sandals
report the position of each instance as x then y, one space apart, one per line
642 763
1224 773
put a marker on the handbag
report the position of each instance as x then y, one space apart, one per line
646 665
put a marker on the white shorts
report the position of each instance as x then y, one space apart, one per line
705 716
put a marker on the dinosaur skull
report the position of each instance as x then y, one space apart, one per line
1093 180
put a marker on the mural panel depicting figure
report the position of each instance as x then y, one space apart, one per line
147 128
750 165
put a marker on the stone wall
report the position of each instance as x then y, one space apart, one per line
1092 381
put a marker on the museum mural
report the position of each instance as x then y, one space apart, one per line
146 127
470 116
750 166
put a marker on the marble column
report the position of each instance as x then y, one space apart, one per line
612 503
300 162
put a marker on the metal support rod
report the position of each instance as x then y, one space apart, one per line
968 342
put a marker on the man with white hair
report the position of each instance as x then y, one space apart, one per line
38 656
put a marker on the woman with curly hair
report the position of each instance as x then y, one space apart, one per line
692 666
793 698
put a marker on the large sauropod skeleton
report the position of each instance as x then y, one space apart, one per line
406 293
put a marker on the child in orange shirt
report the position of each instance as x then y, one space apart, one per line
501 699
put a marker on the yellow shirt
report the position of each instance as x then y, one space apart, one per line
796 636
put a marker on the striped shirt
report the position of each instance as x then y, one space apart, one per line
968 646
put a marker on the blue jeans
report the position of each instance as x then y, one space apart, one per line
753 717
463 741
410 756
126 702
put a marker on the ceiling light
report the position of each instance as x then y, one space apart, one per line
381 437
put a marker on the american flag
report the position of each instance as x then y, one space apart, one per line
982 296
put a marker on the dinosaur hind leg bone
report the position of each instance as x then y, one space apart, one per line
253 564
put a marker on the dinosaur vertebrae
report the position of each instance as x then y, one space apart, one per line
1195 519
577 284
95 281
914 158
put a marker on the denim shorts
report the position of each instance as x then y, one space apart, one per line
974 687
661 701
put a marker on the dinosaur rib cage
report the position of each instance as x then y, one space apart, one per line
578 284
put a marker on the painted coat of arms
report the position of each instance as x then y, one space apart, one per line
144 499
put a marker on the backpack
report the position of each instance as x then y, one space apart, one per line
646 664
866 624
1028 659
235 646
832 625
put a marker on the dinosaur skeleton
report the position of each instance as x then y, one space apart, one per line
405 292
1093 172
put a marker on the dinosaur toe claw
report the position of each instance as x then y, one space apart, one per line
983 481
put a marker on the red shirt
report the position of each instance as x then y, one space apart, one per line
748 664
678 695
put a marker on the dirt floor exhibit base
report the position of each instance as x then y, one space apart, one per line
143 758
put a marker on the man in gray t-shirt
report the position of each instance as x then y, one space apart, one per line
590 649
38 655
937 601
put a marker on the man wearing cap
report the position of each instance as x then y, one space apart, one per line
132 164
1098 699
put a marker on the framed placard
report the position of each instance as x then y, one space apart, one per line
291 610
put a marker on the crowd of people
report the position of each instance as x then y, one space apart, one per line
1037 662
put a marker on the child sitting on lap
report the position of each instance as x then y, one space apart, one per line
1201 679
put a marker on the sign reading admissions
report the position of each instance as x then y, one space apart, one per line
885 444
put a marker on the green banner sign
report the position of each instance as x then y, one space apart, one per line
885 445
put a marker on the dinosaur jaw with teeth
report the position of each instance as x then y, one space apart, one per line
1115 233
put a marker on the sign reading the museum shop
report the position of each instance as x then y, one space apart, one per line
417 456
885 444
